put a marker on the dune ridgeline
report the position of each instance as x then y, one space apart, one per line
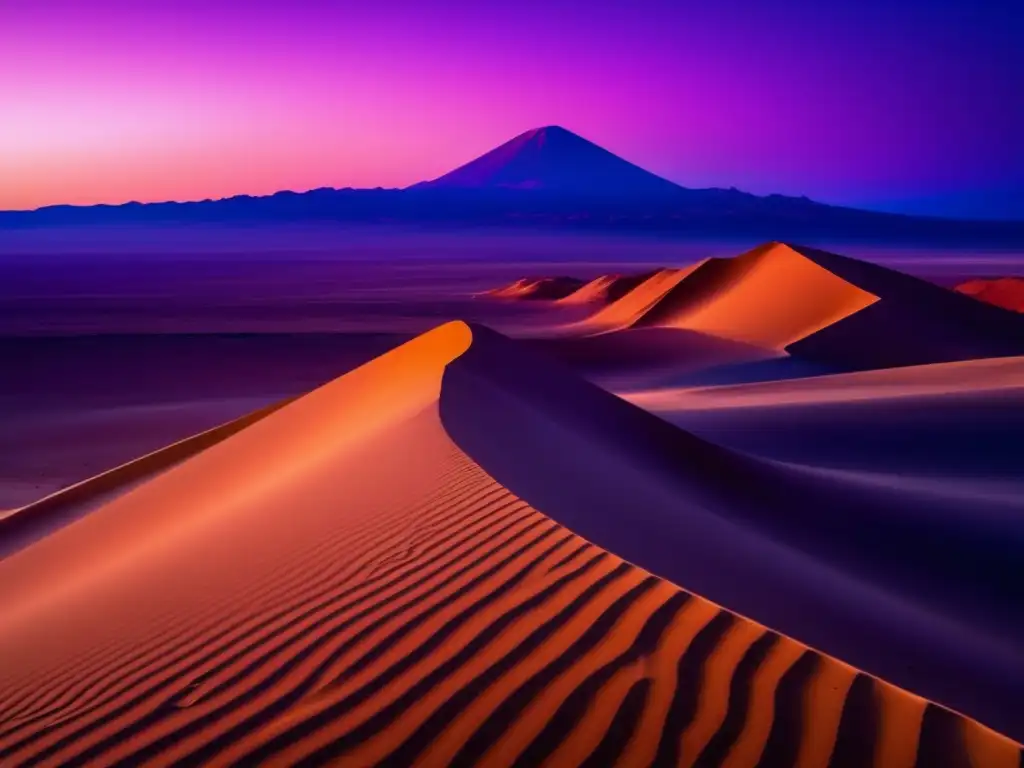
461 553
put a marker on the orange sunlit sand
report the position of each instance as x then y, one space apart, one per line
537 288
605 288
347 579
1005 292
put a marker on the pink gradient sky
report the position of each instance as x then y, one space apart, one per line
900 105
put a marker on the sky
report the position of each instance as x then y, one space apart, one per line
906 105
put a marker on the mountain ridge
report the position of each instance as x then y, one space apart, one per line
548 177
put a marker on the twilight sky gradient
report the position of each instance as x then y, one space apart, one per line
908 105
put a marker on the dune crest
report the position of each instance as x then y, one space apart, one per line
21 526
770 296
605 289
1005 292
854 583
628 310
297 442
341 583
595 290
541 288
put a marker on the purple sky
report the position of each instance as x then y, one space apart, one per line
901 105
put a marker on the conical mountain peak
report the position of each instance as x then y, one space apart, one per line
554 159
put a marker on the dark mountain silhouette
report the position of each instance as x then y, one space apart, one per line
550 177
552 159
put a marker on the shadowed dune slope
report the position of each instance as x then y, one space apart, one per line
635 355
339 583
914 322
956 378
1005 292
917 591
949 428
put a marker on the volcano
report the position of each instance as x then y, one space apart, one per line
554 159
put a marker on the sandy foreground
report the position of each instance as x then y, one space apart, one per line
421 563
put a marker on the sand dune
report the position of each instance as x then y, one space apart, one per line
914 322
817 306
31 522
1005 292
606 288
341 582
595 290
963 377
544 288
614 348
770 296
825 308
949 430
627 311
513 289
636 357
880 580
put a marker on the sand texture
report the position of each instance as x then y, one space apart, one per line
369 575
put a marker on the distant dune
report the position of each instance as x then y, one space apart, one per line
914 322
636 358
770 296
970 376
605 288
360 578
1005 292
547 288
817 306
949 429
632 306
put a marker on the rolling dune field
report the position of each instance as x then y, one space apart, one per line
341 583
